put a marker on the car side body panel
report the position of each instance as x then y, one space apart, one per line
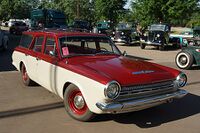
55 78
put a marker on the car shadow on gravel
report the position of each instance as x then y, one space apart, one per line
6 56
167 48
156 116
28 110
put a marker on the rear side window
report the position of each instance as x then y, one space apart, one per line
50 47
26 40
38 44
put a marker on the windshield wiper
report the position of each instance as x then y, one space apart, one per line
104 53
74 55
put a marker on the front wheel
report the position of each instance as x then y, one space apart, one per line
75 104
161 47
184 60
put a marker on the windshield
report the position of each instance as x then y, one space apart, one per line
81 24
196 33
124 26
60 22
157 27
82 46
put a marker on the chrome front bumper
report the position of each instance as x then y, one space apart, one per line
139 104
120 41
152 43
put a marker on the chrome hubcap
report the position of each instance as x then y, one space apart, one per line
183 60
79 102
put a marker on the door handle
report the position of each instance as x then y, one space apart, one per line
37 58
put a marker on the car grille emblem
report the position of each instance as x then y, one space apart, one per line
142 72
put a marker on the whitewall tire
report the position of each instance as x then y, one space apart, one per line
184 60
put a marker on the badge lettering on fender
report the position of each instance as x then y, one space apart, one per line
143 72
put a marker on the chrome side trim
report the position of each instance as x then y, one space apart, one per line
133 105
152 43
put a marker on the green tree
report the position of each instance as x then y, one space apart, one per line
18 9
74 9
109 9
176 12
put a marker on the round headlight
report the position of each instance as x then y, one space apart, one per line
181 80
185 41
112 90
122 33
158 35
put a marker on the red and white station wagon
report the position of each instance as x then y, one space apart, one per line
92 76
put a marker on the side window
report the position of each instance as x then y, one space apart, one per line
105 47
38 44
26 40
50 47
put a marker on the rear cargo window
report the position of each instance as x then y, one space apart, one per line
26 41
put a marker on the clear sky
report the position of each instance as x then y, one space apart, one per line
128 4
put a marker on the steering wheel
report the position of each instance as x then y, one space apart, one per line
104 49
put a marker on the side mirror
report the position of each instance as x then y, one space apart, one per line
124 53
52 53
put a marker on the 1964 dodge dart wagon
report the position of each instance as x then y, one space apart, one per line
92 76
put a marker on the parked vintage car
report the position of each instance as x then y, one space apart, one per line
81 25
158 35
18 27
3 41
178 39
190 55
91 75
125 33
104 27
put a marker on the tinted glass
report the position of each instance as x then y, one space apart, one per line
26 40
158 27
38 44
87 46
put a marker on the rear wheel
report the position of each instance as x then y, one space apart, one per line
161 47
129 40
184 60
75 104
25 78
142 45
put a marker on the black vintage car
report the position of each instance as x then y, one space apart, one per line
157 35
81 25
125 33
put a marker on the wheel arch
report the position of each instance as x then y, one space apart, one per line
67 83
65 87
20 65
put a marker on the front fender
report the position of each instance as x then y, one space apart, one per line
193 53
91 90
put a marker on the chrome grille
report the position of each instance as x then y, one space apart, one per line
138 91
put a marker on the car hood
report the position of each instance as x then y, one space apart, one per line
125 70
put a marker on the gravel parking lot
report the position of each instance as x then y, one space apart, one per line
35 110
